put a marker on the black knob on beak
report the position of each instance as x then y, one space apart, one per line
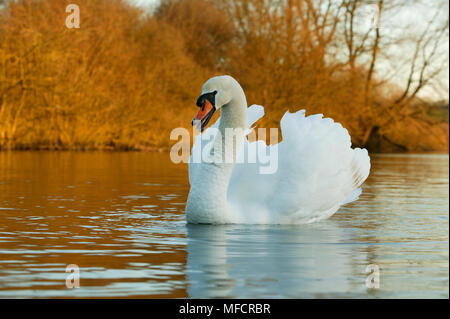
201 100
211 96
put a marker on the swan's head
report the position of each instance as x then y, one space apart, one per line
216 92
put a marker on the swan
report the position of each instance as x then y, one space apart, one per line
317 170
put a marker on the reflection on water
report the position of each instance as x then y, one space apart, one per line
119 217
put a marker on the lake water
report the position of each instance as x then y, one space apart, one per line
120 218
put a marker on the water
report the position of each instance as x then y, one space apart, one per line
119 217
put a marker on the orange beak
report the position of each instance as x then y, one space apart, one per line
204 110
205 113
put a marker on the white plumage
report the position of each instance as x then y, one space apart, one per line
318 171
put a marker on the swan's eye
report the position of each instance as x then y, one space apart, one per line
215 92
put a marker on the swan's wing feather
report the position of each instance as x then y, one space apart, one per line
320 169
317 172
254 113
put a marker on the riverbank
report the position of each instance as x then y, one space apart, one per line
413 136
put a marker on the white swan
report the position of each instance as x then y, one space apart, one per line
318 171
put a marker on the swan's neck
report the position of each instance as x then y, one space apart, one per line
232 126
207 200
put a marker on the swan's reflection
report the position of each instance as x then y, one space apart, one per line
272 261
